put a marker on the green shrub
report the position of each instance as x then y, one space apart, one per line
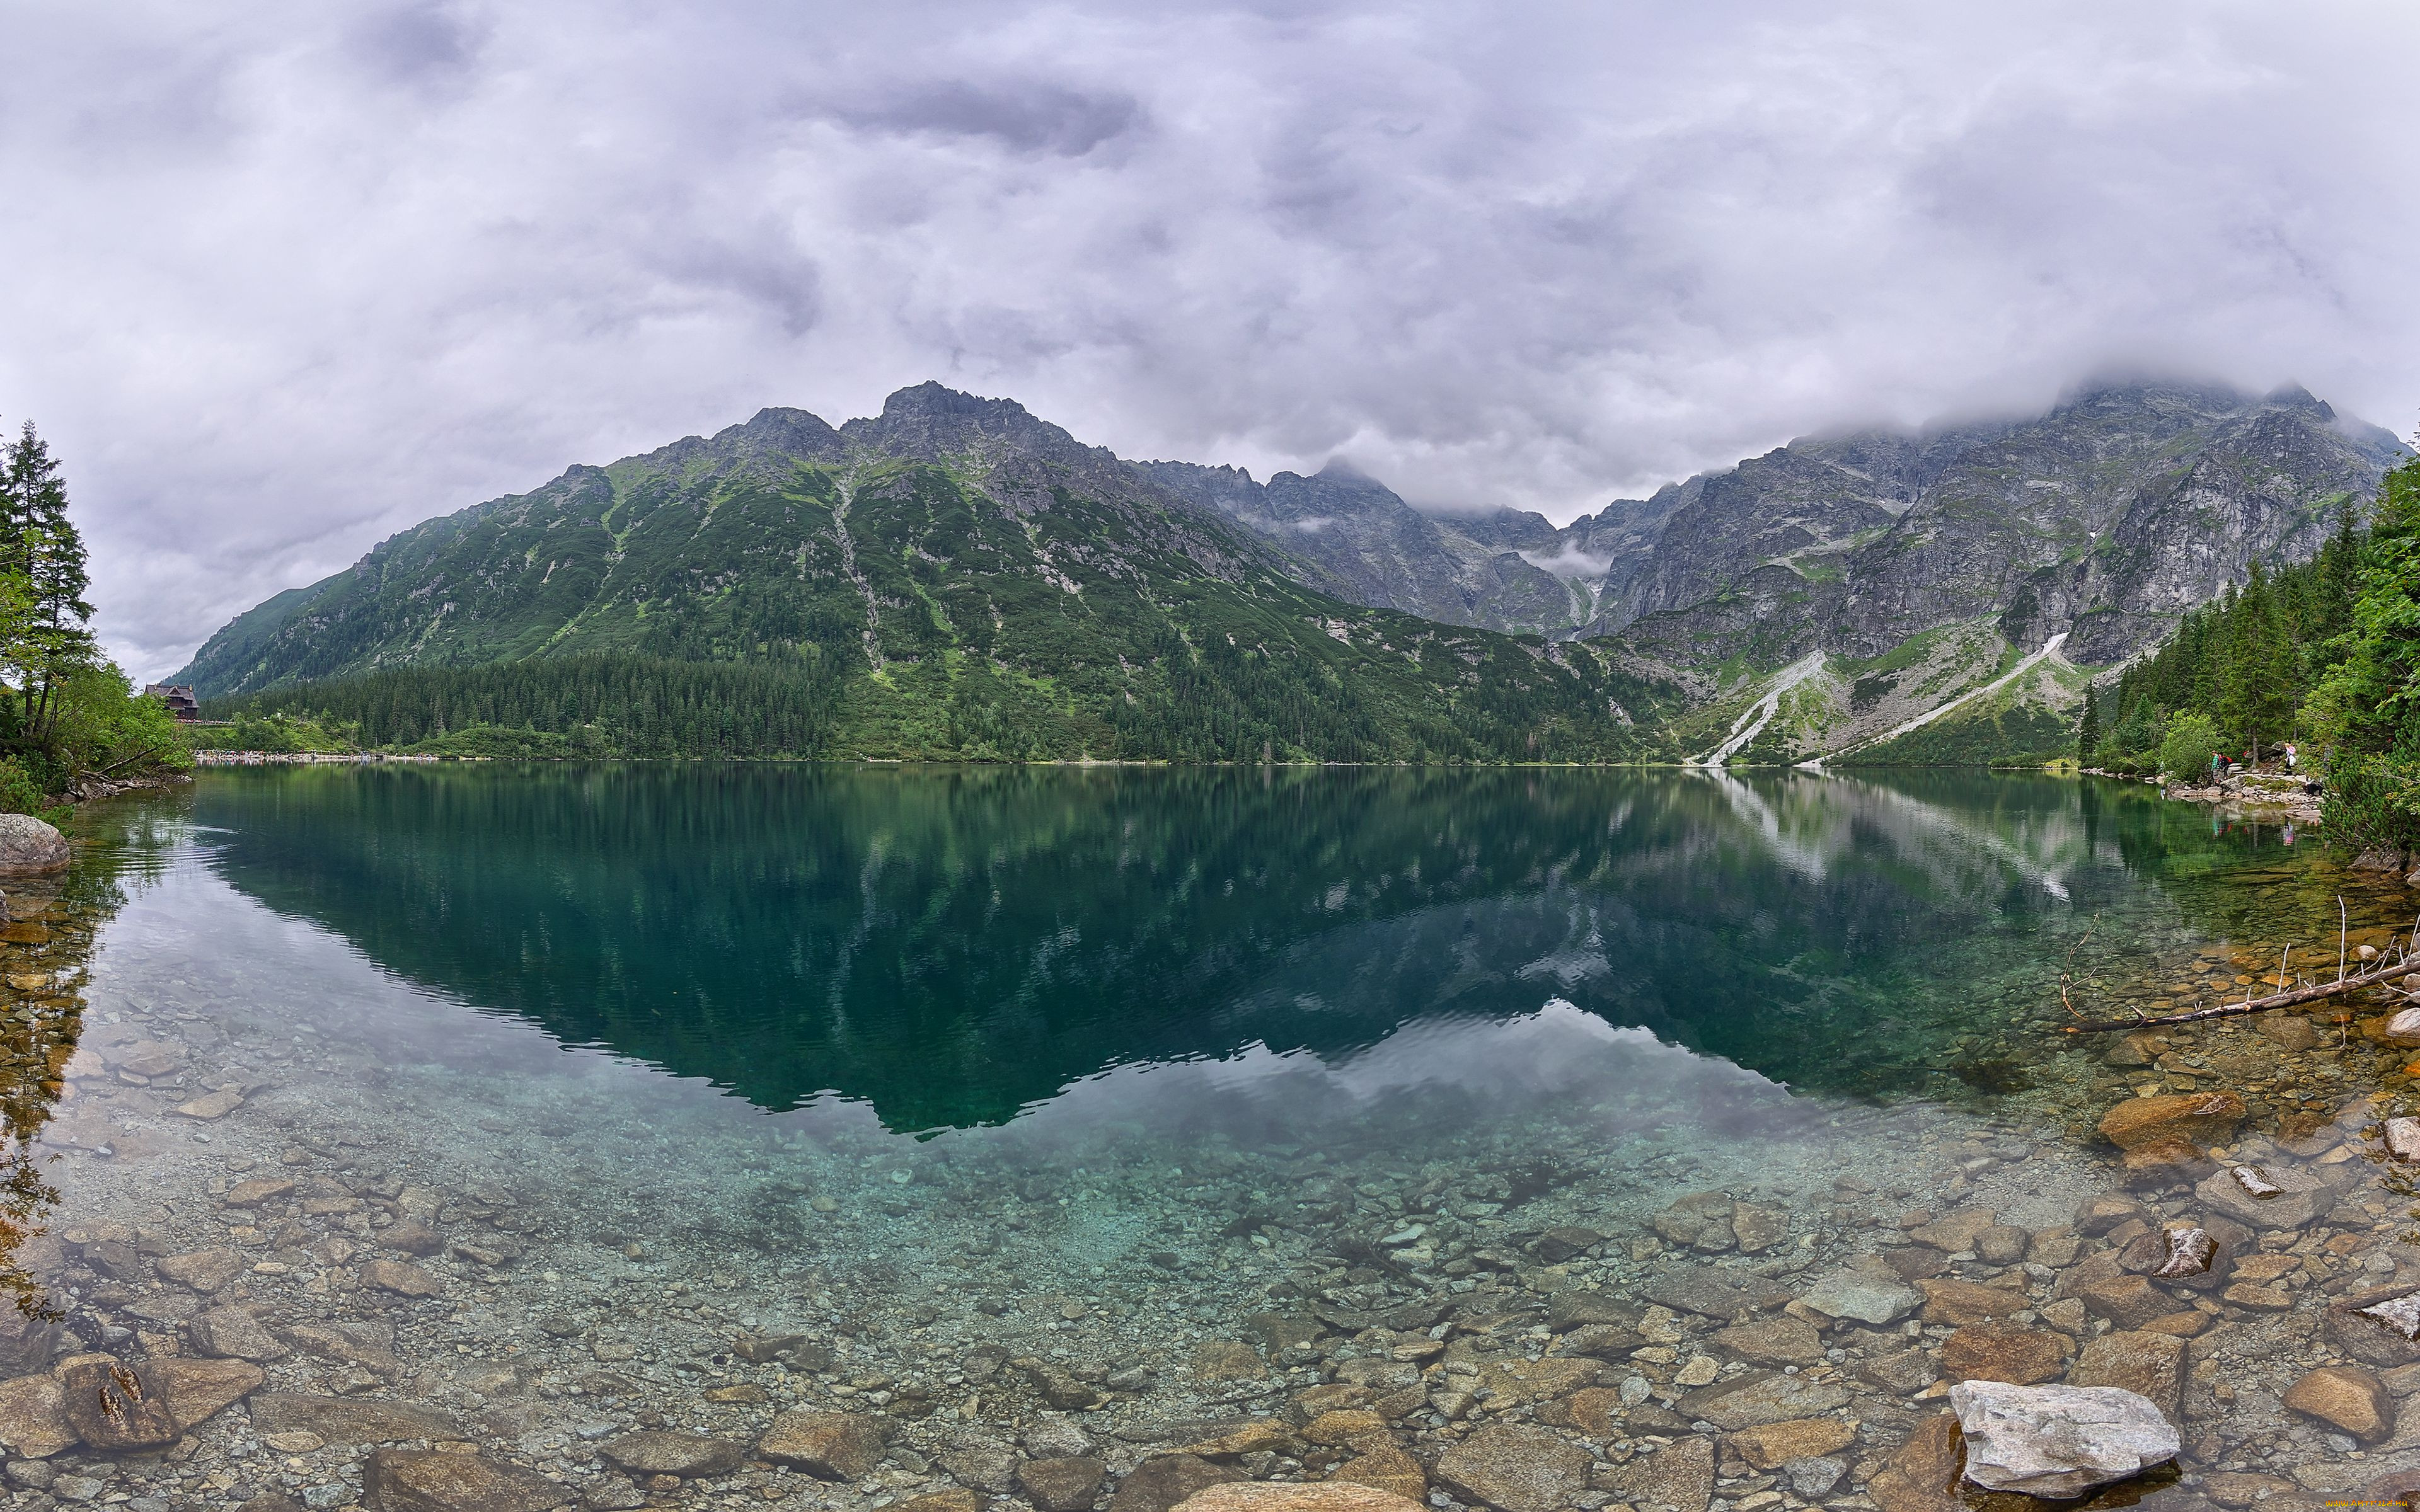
2186 745
21 793
2371 802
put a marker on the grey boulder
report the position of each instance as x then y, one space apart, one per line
2058 1442
29 847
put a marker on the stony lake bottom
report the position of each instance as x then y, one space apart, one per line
831 1137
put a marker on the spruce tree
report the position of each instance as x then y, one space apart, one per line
42 559
2087 736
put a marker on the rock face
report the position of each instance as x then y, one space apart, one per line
2347 1399
2058 1441
29 847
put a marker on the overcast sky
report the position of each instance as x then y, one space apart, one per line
281 278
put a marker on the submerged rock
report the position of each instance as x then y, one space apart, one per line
689 1455
1774 1444
1162 1481
420 1480
2059 1441
2347 1399
2004 1353
2403 1137
2198 1117
2148 1363
1874 1296
1921 1476
1680 1476
2267 1196
1516 1467
1063 1484
1275 1496
835 1445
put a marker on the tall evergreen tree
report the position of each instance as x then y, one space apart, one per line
2087 736
46 634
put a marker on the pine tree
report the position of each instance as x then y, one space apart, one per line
43 562
2087 736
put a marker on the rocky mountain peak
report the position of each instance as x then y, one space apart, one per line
929 422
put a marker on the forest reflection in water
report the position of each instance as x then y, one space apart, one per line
954 945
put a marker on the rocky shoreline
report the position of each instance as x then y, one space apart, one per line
308 1254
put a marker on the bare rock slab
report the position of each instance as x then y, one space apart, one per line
1162 1481
2149 1365
1278 1496
2347 1399
1517 1468
835 1445
1679 1477
2196 1118
349 1419
33 1417
659 1452
1871 1295
1066 1484
420 1480
2058 1442
1759 1398
1921 1474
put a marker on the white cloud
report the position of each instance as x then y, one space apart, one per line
286 277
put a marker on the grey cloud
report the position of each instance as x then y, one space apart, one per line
290 276
1033 117
418 44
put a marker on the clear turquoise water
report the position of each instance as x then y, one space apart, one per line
954 947
1093 1065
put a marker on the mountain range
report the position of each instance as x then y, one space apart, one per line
1833 595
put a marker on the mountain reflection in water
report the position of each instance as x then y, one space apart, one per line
954 945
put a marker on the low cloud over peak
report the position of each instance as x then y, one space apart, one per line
287 278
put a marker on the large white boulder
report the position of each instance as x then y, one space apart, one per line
2059 1441
29 846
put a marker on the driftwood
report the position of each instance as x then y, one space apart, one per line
2295 998
2404 964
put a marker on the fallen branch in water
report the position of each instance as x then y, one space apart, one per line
2408 966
